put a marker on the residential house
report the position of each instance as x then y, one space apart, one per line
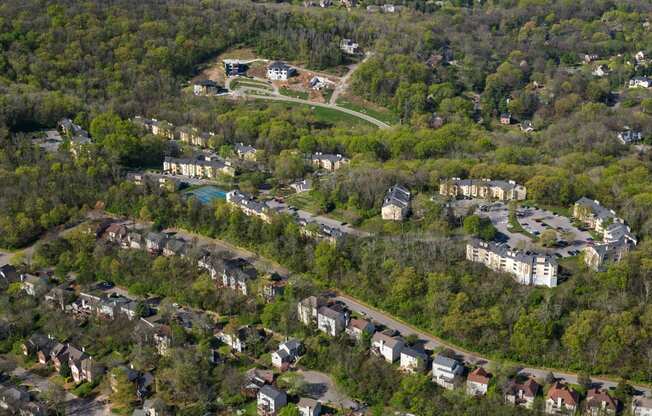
589 57
506 119
270 400
206 87
82 366
387 346
156 407
325 3
59 355
163 129
522 394
18 401
483 188
348 3
39 345
238 338
309 407
279 71
332 319
60 296
248 205
641 406
304 185
390 8
349 46
446 372
213 264
600 403
286 354
396 204
318 83
136 240
328 162
528 269
600 71
255 379
477 382
640 82
198 168
116 233
155 242
358 327
561 400
245 152
33 285
175 247
319 231
162 337
143 123
234 67
413 360
273 286
629 136
527 126
237 275
308 309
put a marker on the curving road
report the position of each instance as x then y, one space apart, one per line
433 343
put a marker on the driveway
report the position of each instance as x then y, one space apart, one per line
5 257
344 82
432 342
321 387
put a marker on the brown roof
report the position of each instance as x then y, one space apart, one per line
596 397
562 391
530 388
479 375
360 324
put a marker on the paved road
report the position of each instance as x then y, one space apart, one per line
432 342
307 216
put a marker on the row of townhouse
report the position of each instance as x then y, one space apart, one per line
527 268
47 350
449 372
249 206
204 166
483 188
237 274
617 238
108 306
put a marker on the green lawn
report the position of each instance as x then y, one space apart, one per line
331 116
292 93
385 116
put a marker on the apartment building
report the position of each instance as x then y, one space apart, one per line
483 188
198 168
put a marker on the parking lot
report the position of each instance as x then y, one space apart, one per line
571 239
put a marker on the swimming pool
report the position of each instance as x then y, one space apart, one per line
207 194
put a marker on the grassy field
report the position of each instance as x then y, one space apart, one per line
378 113
331 116
292 93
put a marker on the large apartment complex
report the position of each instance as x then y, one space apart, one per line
528 269
206 167
483 188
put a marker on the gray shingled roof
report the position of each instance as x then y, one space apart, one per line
397 195
271 392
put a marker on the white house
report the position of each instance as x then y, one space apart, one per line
413 361
446 372
331 321
388 347
270 400
348 46
286 354
279 71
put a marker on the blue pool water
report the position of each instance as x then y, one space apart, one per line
206 194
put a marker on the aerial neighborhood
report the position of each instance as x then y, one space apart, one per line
326 207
